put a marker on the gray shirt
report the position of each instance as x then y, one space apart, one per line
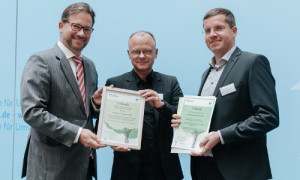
212 80
215 73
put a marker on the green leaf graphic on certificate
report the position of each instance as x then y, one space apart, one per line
194 120
193 117
133 134
122 118
116 130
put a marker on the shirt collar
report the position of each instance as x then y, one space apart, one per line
66 51
139 80
224 59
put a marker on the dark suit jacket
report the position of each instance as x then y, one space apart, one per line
126 164
244 116
52 105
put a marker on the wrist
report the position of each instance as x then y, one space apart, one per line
162 104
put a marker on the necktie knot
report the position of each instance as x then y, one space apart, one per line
77 60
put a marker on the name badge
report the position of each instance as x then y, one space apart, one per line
161 96
230 88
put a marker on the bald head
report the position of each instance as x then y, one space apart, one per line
140 35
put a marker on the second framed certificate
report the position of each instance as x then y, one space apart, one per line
196 113
121 118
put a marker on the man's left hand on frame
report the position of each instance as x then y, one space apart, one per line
97 97
151 97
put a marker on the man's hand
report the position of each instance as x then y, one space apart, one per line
120 148
97 97
89 139
152 98
175 121
209 141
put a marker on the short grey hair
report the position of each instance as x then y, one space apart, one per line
142 31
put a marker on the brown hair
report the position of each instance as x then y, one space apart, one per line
77 8
229 17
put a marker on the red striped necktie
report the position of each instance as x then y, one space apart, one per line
80 77
80 81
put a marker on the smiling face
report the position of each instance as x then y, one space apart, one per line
75 41
219 36
142 53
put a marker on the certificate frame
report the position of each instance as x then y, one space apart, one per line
121 118
196 119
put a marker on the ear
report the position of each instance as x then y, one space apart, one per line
234 30
156 52
128 54
60 26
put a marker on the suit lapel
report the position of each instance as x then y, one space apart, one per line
87 83
65 65
157 86
130 82
204 77
234 57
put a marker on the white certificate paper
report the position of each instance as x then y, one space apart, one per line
196 113
121 118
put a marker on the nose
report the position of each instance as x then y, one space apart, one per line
81 33
141 55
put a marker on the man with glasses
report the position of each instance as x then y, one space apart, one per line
161 92
246 107
58 99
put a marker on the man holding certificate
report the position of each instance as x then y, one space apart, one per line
246 106
161 93
58 98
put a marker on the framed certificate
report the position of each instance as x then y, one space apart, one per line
121 118
196 113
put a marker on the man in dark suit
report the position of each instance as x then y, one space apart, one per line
161 92
57 86
246 107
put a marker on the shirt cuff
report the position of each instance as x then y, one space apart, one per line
77 136
221 138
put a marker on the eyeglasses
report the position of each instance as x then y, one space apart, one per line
216 29
78 27
147 52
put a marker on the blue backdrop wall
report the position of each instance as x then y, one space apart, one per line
266 27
